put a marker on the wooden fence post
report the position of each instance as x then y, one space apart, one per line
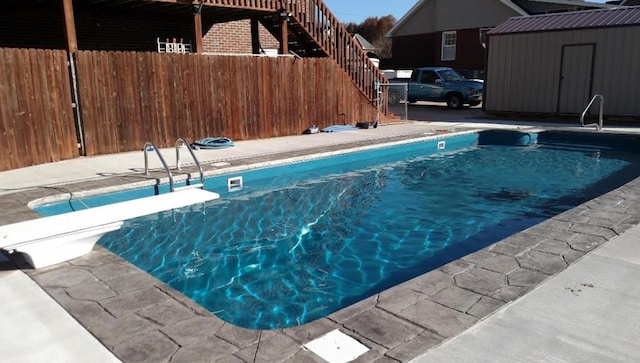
72 49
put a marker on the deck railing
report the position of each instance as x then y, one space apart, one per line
267 5
328 33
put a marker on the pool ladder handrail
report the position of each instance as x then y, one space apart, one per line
145 148
183 141
598 126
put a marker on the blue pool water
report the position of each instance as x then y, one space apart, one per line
293 247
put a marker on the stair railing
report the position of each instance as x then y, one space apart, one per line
265 5
337 43
328 33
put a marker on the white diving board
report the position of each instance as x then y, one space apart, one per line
50 240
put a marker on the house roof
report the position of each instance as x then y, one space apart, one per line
516 5
623 16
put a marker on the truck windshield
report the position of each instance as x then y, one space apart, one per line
449 75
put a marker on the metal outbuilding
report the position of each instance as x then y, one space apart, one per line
556 63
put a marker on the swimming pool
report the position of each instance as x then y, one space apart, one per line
292 248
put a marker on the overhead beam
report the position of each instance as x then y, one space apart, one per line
69 26
197 24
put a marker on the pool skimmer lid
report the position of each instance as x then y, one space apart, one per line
336 347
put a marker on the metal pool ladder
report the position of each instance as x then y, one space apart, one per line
148 145
180 142
598 126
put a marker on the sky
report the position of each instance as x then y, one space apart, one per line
356 11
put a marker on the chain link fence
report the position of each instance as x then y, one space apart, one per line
393 101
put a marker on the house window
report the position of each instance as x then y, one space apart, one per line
448 46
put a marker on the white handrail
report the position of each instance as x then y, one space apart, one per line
598 126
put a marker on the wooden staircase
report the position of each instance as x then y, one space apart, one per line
313 31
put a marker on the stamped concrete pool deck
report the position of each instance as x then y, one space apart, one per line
563 290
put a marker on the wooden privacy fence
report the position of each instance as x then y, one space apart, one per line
129 98
36 115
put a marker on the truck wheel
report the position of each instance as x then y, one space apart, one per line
454 101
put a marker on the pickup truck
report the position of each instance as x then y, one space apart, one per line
442 84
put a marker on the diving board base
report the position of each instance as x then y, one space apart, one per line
50 240
56 249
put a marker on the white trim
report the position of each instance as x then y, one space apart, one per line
514 7
442 45
577 3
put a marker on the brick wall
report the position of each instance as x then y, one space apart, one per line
235 37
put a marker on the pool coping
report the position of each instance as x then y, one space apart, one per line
156 323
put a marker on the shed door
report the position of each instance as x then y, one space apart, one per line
575 77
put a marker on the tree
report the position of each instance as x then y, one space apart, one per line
374 29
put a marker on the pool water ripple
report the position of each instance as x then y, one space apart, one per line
285 255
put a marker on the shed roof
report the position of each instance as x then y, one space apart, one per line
364 43
605 18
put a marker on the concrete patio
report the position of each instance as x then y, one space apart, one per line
539 295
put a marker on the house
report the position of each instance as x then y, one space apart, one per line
557 63
452 32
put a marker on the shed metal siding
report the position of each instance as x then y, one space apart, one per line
523 70
576 73
520 73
